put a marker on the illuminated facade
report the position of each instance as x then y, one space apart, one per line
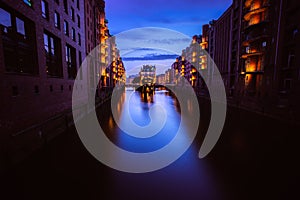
96 32
117 72
170 76
255 43
148 75
161 79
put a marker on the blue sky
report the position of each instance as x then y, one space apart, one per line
184 16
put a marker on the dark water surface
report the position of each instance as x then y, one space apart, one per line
255 158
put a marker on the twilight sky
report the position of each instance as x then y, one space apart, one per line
184 16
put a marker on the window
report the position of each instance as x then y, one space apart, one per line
295 32
78 6
18 42
20 26
56 20
71 61
73 34
80 63
291 59
53 55
79 39
28 2
72 14
66 6
66 28
45 9
248 50
78 21
5 20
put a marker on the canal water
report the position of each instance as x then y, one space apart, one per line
255 158
187 178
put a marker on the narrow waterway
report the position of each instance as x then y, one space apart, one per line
255 158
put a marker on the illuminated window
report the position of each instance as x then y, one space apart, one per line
248 50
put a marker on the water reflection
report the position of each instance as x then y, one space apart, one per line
139 113
147 97
188 177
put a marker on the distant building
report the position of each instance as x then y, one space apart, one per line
161 79
130 78
148 75
170 76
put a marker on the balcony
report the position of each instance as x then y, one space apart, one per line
251 26
248 3
247 16
252 54
254 6
251 39
253 72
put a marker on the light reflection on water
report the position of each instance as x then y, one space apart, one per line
139 107
187 178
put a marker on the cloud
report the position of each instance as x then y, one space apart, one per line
150 38
151 57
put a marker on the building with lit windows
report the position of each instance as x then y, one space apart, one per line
161 79
96 33
148 75
255 46
170 76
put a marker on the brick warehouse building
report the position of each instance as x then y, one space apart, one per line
42 43
255 46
